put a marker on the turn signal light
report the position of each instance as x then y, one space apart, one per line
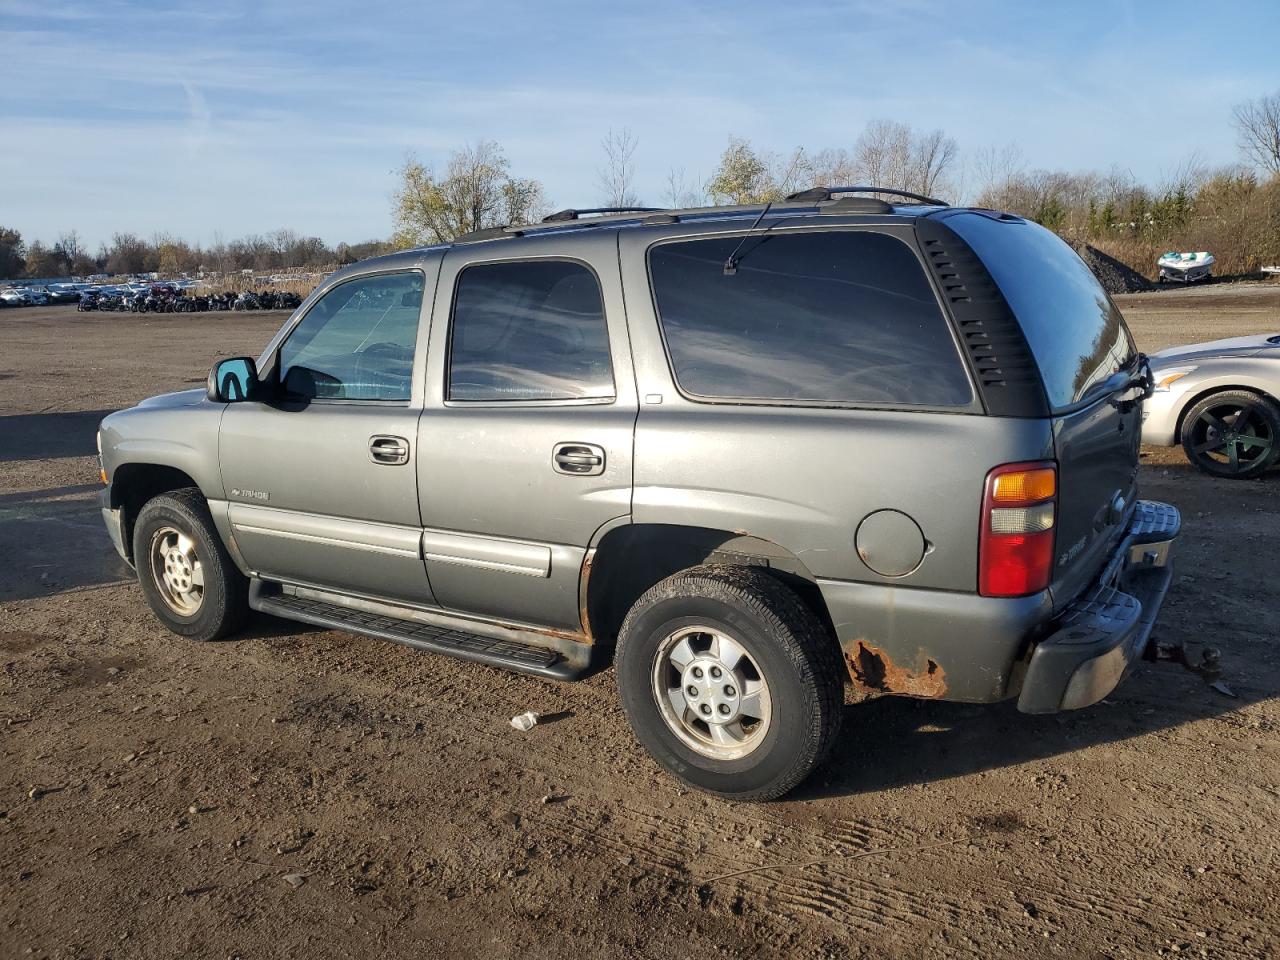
1015 548
1024 486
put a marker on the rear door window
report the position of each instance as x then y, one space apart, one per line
1074 330
840 317
529 330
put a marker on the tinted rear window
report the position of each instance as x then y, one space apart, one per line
832 316
1075 332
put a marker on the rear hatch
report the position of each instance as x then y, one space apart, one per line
1088 365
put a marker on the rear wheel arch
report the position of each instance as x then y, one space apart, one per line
630 559
133 484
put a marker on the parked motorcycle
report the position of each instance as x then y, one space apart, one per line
248 301
88 301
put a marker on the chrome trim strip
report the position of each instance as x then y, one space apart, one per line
496 565
331 541
499 554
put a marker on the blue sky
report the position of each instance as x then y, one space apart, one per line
238 118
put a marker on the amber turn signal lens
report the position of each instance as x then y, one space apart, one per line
1025 486
102 474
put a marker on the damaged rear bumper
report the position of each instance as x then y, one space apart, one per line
1100 636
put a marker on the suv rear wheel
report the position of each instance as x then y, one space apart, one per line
730 681
1234 433
185 572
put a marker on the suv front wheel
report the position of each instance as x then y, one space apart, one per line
730 681
186 574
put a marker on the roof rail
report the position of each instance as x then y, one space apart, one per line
818 194
489 233
574 214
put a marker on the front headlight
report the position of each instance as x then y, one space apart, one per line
1166 378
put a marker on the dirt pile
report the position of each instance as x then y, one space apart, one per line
1114 276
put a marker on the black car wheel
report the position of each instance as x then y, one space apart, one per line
1232 434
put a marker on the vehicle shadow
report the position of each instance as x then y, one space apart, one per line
49 436
52 541
891 742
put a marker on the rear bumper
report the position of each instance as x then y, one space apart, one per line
1100 636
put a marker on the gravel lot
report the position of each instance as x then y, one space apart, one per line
303 793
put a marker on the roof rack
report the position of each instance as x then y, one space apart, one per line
574 214
818 194
489 233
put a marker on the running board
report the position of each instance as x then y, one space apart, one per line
507 654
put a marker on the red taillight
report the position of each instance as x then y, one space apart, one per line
1015 548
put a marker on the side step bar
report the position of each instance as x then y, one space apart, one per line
507 654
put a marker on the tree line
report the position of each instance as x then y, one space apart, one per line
1232 211
127 253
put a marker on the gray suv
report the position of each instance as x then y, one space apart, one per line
746 454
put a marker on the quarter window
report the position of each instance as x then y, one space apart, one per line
1075 331
842 317
356 342
529 330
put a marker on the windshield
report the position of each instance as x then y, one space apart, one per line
1076 333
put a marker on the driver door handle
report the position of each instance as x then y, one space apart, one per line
387 449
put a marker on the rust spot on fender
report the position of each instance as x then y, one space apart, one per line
583 593
872 667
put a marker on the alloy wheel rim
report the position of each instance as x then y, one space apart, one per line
711 692
177 571
1232 437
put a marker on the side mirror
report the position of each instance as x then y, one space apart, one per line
233 380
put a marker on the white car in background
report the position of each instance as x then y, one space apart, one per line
1221 401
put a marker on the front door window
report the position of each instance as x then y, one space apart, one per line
356 342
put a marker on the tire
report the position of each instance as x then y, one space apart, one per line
223 602
785 647
1233 434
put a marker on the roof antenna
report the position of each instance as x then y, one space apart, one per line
731 265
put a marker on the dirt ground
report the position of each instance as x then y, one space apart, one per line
307 793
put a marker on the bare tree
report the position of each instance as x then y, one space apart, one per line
69 244
791 173
882 154
932 154
831 168
891 154
1188 176
682 192
618 173
1258 124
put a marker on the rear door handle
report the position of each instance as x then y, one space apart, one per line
578 459
387 449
